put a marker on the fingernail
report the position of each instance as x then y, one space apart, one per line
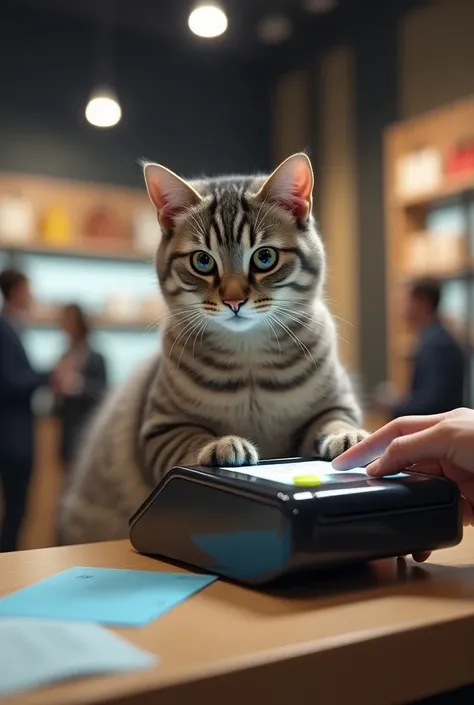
338 464
373 468
341 463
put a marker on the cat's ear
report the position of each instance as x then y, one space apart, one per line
169 193
291 186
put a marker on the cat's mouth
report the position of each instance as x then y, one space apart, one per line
238 322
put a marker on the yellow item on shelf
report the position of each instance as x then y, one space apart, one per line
56 226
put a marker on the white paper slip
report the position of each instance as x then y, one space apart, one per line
35 653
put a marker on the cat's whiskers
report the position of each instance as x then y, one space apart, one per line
343 320
262 231
184 320
182 333
257 219
273 329
292 336
197 325
344 340
180 316
196 232
198 224
294 301
155 325
293 309
297 317
311 305
291 312
158 322
266 215
200 332
171 314
186 306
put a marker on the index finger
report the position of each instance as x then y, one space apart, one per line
374 445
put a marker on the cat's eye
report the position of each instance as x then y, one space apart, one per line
265 258
203 263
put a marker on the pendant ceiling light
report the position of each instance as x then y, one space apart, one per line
103 108
208 20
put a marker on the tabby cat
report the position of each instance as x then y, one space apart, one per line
248 367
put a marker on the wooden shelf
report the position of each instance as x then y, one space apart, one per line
440 275
113 251
454 187
43 319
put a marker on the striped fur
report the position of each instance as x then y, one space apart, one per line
226 388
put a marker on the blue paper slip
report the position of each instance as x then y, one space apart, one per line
37 652
127 598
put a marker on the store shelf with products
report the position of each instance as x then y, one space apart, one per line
103 250
441 256
89 244
444 193
429 164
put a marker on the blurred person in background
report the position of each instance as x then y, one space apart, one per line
437 383
79 381
18 382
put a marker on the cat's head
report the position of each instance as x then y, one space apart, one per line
239 250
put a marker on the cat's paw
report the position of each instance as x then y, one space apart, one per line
228 450
330 446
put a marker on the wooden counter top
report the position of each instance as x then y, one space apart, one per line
390 634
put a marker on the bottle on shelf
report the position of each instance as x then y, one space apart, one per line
56 226
17 219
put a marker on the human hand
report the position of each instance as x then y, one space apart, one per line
65 379
441 445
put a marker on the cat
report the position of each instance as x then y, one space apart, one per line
248 367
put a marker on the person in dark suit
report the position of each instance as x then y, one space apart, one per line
438 375
18 382
79 381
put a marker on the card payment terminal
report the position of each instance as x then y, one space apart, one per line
255 524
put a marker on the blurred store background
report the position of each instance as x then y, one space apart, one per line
380 94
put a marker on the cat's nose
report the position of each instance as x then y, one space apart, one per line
234 304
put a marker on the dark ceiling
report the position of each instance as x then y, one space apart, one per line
166 20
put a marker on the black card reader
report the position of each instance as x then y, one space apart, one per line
255 524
